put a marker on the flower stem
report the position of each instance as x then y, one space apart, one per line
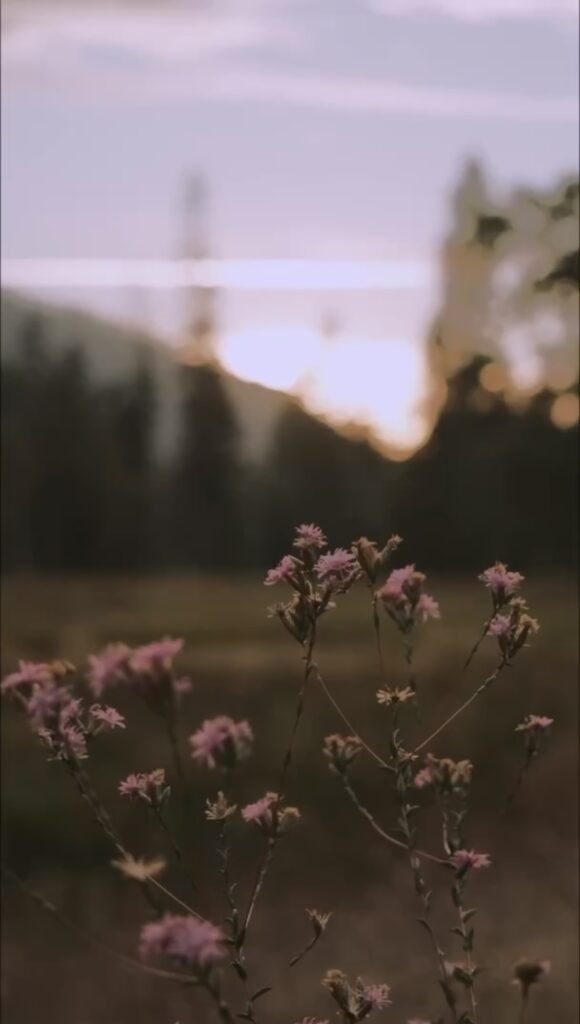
261 873
379 760
481 689
377 828
76 929
475 647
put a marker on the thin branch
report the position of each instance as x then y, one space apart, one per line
377 828
481 689
479 640
379 760
76 929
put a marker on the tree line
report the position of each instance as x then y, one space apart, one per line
83 490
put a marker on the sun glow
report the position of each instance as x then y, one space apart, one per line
373 384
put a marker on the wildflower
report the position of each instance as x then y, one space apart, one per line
424 777
463 860
219 809
284 572
535 723
368 557
390 697
221 741
309 536
155 657
404 601
500 626
108 668
446 775
139 869
318 921
182 685
298 615
338 569
529 972
268 815
341 751
501 583
355 1001
29 673
147 786
192 943
512 630
107 716
428 608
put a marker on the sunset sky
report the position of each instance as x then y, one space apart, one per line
326 129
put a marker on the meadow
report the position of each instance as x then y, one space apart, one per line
243 664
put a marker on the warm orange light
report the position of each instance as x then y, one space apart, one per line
493 377
376 384
565 411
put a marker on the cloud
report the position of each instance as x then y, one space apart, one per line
158 33
481 10
148 52
383 95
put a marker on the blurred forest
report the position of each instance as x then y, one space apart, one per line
86 489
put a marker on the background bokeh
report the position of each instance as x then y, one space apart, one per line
160 443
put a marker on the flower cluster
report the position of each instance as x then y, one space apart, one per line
147 786
221 742
341 752
315 576
45 694
269 816
356 1001
186 941
404 600
501 584
445 775
513 628
149 669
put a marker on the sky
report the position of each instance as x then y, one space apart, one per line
325 130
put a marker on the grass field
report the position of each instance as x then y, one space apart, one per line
242 663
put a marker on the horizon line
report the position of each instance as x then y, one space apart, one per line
238 274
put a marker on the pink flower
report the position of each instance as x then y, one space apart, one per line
196 944
500 625
29 673
309 536
182 685
397 581
155 656
428 608
501 583
260 812
108 667
424 777
463 860
74 740
283 572
377 996
335 565
221 741
535 723
107 716
149 786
